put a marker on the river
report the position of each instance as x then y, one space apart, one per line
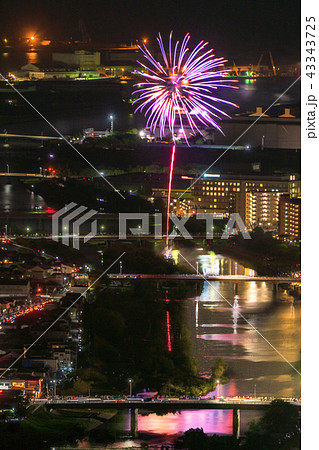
15 197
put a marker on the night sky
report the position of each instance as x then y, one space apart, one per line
241 29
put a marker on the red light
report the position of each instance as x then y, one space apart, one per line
168 327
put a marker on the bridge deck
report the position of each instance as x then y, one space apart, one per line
199 277
161 405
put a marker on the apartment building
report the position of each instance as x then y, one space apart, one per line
256 199
289 218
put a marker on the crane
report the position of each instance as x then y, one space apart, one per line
272 63
235 68
84 34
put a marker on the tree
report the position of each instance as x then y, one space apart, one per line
281 417
193 439
279 428
218 371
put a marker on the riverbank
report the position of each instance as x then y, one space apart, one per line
263 253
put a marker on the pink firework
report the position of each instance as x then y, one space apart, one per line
180 90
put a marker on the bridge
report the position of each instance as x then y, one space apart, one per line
199 277
25 175
27 136
100 235
165 406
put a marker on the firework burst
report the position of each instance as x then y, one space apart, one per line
179 91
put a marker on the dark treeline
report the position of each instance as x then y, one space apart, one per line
264 253
139 334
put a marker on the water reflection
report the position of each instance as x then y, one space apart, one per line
212 264
15 197
220 330
212 421
32 57
235 313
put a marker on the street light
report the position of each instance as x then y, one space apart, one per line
121 267
130 384
196 267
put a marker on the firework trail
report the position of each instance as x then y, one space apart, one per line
169 191
179 92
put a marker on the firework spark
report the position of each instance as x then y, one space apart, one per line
180 90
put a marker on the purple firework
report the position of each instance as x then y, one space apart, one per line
179 90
